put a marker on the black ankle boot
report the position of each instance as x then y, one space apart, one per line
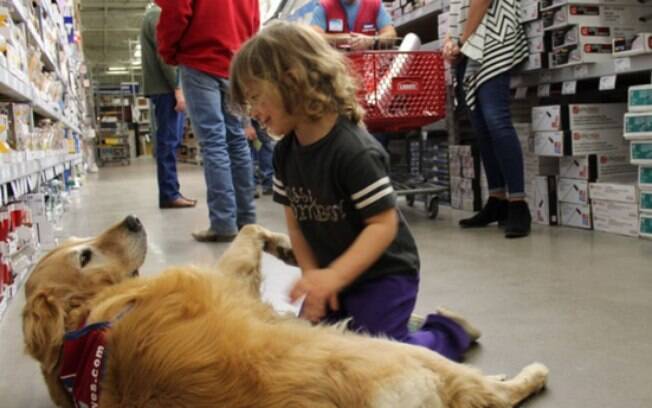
519 220
494 210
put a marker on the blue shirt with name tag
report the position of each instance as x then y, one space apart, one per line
382 20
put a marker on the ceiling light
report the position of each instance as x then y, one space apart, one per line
117 69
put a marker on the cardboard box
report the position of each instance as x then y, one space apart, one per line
535 61
639 98
549 4
580 54
594 15
615 225
575 215
596 167
529 12
645 202
577 116
631 45
533 28
536 45
624 191
544 207
573 191
638 126
615 218
641 152
645 228
645 177
578 143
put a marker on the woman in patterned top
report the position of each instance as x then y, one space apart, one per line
486 41
358 258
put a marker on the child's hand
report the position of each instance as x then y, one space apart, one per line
320 287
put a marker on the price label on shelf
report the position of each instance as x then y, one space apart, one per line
521 92
607 83
622 64
581 71
543 90
569 88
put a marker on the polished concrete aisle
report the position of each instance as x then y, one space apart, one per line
577 301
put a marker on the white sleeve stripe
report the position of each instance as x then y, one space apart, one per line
277 181
279 191
383 193
370 188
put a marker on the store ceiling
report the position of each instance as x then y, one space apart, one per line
109 27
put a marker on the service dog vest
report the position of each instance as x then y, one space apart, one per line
82 363
337 22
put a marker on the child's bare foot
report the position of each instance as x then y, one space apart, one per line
473 333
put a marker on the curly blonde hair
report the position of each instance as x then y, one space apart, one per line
312 78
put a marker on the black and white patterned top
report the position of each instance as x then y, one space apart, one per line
497 45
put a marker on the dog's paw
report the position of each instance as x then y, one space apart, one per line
279 245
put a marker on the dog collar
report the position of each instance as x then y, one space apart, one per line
82 363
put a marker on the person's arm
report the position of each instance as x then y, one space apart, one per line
302 251
175 17
477 11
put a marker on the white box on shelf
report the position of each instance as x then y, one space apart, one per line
544 208
623 190
632 45
529 12
533 28
596 166
536 45
594 15
535 61
645 202
637 126
645 228
579 143
578 116
549 4
575 215
576 54
639 98
641 152
616 225
573 191
645 178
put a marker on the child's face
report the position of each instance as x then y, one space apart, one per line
266 106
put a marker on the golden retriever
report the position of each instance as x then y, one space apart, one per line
202 337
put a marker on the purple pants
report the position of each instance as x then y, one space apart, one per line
383 307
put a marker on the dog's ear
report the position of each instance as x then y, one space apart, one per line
43 328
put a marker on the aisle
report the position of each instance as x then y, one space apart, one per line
577 301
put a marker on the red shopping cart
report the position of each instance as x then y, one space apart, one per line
402 91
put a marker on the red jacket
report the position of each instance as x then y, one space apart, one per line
205 34
365 21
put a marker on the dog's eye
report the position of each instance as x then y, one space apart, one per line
85 257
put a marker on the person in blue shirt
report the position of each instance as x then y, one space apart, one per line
354 24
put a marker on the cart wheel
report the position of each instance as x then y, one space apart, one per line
410 200
433 207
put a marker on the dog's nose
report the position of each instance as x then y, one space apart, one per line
133 224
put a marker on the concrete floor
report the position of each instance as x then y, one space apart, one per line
577 301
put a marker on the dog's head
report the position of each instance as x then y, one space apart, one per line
65 279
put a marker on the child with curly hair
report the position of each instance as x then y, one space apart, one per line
358 258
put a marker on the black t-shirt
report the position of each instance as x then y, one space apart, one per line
332 186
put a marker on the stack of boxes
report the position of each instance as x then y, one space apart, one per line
533 25
588 140
638 130
465 195
539 177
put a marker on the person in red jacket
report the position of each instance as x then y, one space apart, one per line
354 24
201 37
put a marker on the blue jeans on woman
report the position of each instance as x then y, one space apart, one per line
225 151
491 120
169 133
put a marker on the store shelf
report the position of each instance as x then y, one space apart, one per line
423 12
20 14
26 164
578 72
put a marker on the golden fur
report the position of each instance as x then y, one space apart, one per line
198 338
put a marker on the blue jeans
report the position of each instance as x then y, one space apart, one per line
499 146
264 158
169 133
225 151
